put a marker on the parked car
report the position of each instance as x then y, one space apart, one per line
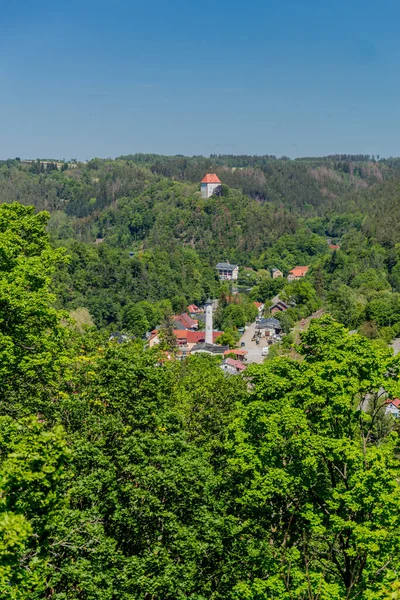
242 344
241 329
264 351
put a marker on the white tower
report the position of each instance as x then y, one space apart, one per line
209 322
210 185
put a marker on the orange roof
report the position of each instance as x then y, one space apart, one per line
334 246
185 320
258 304
210 178
395 402
299 271
192 308
237 351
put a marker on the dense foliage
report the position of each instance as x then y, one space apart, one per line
125 475
137 230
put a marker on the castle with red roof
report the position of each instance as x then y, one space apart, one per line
210 185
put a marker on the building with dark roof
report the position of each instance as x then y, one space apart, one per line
184 321
271 324
226 271
209 349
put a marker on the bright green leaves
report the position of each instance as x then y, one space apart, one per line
31 338
32 462
306 463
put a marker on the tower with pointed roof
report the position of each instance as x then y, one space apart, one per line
210 185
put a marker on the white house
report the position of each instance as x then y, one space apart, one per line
210 185
227 271
232 366
393 407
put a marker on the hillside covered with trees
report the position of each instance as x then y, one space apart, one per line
137 231
125 475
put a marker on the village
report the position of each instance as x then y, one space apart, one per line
193 329
194 332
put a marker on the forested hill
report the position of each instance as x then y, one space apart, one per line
304 186
136 228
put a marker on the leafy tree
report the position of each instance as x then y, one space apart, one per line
301 292
32 339
228 338
32 468
285 320
135 320
344 306
251 312
143 517
268 288
314 493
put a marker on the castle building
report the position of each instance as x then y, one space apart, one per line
210 185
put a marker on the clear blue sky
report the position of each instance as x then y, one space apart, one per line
84 79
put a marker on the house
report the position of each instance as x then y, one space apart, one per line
232 366
334 246
209 349
260 307
277 305
239 353
271 325
184 321
154 338
276 273
210 185
190 338
297 273
193 309
226 271
393 407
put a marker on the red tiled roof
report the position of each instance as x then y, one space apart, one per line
258 304
237 351
395 402
192 308
185 320
334 246
210 178
194 337
235 363
299 271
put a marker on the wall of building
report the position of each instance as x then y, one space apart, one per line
212 188
225 274
209 324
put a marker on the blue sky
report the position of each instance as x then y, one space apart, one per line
84 79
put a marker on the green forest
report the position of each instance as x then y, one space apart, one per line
125 475
141 241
